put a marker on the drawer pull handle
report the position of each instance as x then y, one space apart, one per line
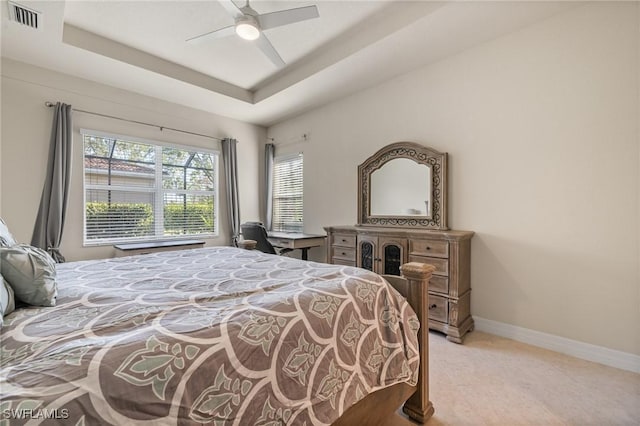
344 254
433 306
344 241
428 248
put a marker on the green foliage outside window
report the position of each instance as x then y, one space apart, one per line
118 220
128 220
197 217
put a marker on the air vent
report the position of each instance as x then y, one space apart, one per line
24 15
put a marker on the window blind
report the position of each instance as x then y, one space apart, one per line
142 190
288 194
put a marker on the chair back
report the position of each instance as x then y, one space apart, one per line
256 231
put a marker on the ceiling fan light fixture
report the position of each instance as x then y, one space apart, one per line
249 25
247 29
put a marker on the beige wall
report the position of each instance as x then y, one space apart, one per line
26 125
0 142
541 127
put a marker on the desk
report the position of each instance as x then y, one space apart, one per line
294 240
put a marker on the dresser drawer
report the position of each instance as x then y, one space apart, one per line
343 262
344 240
438 308
344 253
442 265
431 248
439 284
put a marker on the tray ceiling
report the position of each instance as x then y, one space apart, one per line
140 46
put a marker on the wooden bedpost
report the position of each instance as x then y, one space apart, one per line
418 406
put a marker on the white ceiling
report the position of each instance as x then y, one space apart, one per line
353 45
161 28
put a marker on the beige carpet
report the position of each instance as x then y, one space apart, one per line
495 381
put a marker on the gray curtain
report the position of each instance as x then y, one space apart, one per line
269 154
47 232
230 159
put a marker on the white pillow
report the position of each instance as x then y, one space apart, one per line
6 239
7 300
31 272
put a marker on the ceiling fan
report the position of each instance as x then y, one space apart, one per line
250 25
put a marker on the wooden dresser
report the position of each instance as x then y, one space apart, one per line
383 250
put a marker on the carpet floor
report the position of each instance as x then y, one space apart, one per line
491 380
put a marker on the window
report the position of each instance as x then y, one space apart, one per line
141 190
287 194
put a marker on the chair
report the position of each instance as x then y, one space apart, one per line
256 231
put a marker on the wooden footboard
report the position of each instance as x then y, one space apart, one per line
376 408
418 406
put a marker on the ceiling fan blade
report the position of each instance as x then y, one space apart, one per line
267 48
231 8
289 16
212 35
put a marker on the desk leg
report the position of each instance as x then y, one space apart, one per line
305 255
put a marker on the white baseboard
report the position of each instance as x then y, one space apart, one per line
599 354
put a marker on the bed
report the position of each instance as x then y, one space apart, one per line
220 336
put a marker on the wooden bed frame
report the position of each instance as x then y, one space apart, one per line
376 408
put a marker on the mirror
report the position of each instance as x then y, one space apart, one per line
403 185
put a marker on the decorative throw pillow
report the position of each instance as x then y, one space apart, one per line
6 239
7 300
31 272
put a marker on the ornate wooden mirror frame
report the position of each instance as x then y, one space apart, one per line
437 161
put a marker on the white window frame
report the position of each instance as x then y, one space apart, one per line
276 160
158 190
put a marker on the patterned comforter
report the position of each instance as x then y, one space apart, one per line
217 336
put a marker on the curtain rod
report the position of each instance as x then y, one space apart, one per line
301 139
51 104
